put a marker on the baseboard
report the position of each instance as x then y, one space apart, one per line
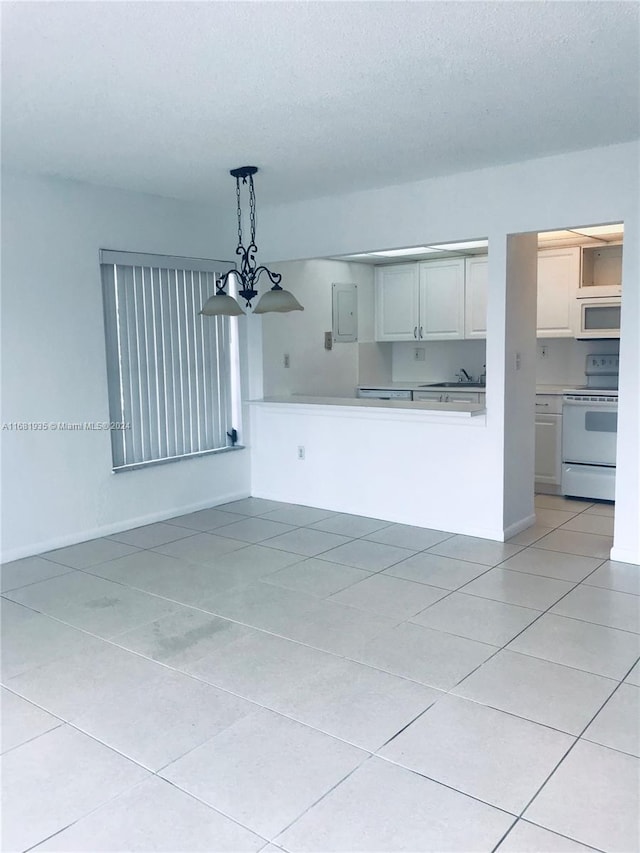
519 526
623 555
110 529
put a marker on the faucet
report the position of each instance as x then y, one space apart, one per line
463 373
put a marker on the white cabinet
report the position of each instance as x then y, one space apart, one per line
449 395
441 301
397 302
548 459
476 287
558 278
420 301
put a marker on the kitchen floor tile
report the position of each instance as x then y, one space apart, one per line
260 605
476 618
602 606
254 562
154 816
618 723
560 502
191 711
527 838
538 690
430 657
334 627
151 535
634 676
530 535
261 667
170 577
253 506
30 639
592 797
388 596
356 703
370 556
407 536
316 577
66 774
255 529
350 525
436 571
573 542
482 551
306 541
583 645
182 638
552 564
485 753
601 508
97 672
602 525
553 517
89 553
265 770
203 548
205 519
29 570
518 588
91 603
621 577
22 721
299 516
385 808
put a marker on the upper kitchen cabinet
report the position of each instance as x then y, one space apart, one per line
475 296
558 277
441 301
396 304
426 300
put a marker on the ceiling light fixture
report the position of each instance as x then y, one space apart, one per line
276 299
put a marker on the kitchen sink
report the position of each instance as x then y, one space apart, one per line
454 385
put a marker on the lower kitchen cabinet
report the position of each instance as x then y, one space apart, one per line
548 460
449 395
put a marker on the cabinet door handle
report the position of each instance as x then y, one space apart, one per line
543 404
420 331
415 332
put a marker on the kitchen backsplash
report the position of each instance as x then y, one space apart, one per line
443 359
563 363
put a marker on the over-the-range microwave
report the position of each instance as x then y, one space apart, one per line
599 317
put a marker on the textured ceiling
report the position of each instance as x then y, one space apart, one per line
325 97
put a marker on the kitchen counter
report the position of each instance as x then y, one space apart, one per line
426 386
450 410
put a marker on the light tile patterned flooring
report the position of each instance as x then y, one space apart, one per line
262 676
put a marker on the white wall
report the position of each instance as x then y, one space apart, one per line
588 187
313 369
58 488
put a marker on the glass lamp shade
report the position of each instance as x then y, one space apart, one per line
279 300
221 305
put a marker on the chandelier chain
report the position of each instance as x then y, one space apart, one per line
252 210
239 212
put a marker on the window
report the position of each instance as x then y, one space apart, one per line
172 374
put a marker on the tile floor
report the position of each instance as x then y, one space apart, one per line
260 676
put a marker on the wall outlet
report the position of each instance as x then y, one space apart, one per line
518 360
286 360
419 354
300 451
328 340
542 351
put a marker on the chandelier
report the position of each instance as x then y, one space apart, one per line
276 299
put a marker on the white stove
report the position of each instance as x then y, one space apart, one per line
589 431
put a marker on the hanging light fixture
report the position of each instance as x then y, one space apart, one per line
276 299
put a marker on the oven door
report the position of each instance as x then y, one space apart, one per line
589 432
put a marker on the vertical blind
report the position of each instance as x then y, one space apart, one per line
170 370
